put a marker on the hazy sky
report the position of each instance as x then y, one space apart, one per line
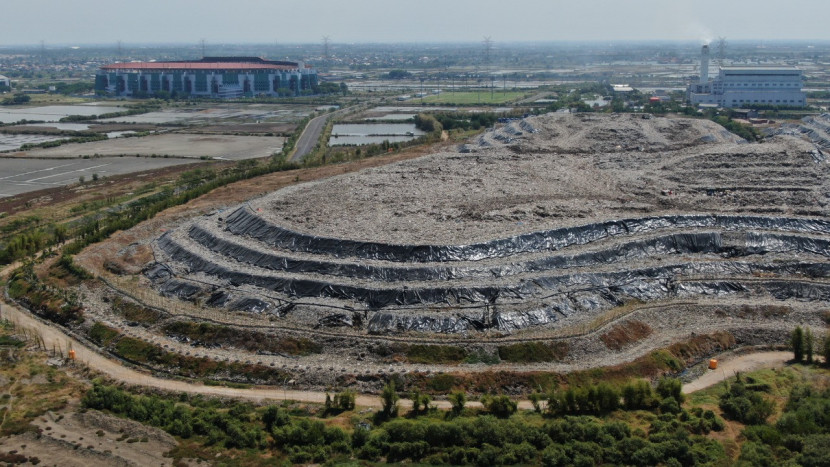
72 22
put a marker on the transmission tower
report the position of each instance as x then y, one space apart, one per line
488 47
721 50
120 51
202 44
326 48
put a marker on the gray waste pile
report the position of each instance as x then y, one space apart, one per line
816 129
222 266
527 261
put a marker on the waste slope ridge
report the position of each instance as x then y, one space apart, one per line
570 170
643 284
625 248
243 221
510 233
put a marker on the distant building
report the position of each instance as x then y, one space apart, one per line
4 81
745 86
219 77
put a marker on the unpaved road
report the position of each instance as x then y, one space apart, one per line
54 337
741 363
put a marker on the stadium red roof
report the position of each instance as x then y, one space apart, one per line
196 66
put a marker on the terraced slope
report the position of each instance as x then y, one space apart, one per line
537 224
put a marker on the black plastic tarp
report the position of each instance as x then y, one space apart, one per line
244 221
643 283
660 246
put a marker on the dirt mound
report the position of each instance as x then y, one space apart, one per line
593 133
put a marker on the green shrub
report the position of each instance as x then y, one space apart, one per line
389 400
102 334
500 406
530 352
670 387
435 354
745 406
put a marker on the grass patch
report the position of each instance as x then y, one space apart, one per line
626 333
212 334
442 383
9 341
55 304
196 367
532 352
435 354
139 351
482 382
102 334
482 357
472 97
32 389
706 344
659 362
134 312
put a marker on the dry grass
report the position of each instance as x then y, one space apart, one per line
626 333
29 387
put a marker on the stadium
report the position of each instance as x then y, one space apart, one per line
218 77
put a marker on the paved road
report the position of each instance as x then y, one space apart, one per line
311 134
309 137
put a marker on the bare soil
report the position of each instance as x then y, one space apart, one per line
92 438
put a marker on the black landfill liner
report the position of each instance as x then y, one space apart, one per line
681 243
510 321
643 284
243 221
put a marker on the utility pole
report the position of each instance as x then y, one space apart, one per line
488 47
492 86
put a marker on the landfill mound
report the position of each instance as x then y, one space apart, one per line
537 223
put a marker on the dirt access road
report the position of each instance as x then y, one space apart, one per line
54 337
740 363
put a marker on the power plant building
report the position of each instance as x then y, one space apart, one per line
216 77
747 86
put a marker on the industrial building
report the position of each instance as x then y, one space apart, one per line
217 77
747 86
4 81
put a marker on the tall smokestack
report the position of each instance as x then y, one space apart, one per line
704 64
